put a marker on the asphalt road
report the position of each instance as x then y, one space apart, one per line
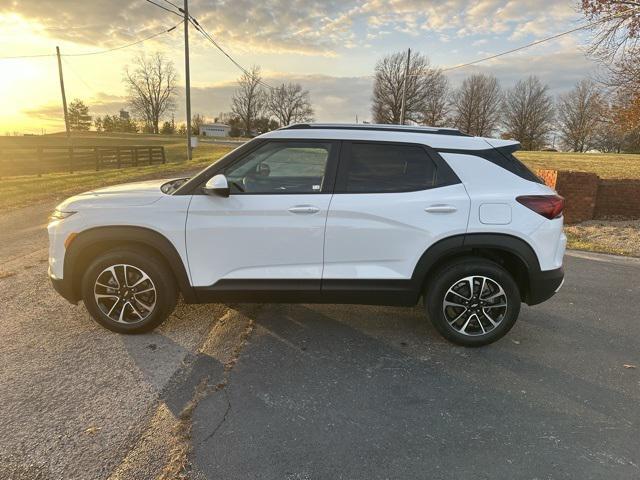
316 391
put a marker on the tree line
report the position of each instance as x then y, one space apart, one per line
582 119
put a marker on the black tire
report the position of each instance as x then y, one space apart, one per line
452 279
140 263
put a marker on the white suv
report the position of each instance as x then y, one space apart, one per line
316 213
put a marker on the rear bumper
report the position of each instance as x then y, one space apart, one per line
544 284
64 288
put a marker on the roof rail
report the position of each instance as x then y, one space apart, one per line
376 127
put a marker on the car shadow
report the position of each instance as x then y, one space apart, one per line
323 392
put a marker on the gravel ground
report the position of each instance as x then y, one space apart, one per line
75 399
609 236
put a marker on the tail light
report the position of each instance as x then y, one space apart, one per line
549 206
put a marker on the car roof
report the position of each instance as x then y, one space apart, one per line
438 138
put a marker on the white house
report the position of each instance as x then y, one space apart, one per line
214 130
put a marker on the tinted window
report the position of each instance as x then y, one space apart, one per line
503 157
278 167
517 167
389 168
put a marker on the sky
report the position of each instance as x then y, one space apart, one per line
330 47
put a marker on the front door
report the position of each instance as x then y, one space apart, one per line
271 227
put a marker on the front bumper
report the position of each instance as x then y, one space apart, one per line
544 284
64 288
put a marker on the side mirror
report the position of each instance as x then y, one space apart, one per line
217 185
263 170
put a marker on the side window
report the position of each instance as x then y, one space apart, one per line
377 168
281 167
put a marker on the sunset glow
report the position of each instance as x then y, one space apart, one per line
331 50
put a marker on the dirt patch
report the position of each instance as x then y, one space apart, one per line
609 236
163 450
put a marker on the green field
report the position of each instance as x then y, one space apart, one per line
22 149
24 190
606 165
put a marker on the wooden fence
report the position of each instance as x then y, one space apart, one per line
39 160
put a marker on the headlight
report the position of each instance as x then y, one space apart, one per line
59 215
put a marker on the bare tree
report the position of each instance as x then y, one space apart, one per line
388 85
152 88
579 115
249 100
197 121
477 104
616 43
528 113
618 28
436 103
289 103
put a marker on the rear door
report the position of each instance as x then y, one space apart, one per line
391 203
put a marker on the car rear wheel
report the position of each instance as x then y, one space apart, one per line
472 302
129 291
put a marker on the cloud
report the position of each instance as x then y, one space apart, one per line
46 113
560 71
306 27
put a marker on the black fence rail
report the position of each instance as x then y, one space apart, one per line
39 160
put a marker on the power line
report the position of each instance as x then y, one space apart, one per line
170 29
78 76
99 52
207 36
538 42
174 5
163 7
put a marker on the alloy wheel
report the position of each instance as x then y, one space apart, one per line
125 293
475 305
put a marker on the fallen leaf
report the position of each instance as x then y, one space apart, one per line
92 430
626 365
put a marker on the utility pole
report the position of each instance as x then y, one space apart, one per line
186 75
404 88
64 96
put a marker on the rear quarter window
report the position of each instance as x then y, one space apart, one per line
505 158
502 157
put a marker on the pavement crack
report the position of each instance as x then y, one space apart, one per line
221 422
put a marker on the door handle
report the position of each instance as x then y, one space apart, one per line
440 208
304 209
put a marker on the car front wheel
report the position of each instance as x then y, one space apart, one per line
129 291
473 302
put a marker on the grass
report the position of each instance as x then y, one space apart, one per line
23 190
606 236
605 165
14 150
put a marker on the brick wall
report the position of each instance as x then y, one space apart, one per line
587 196
618 198
579 189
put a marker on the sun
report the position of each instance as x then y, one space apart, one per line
25 83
